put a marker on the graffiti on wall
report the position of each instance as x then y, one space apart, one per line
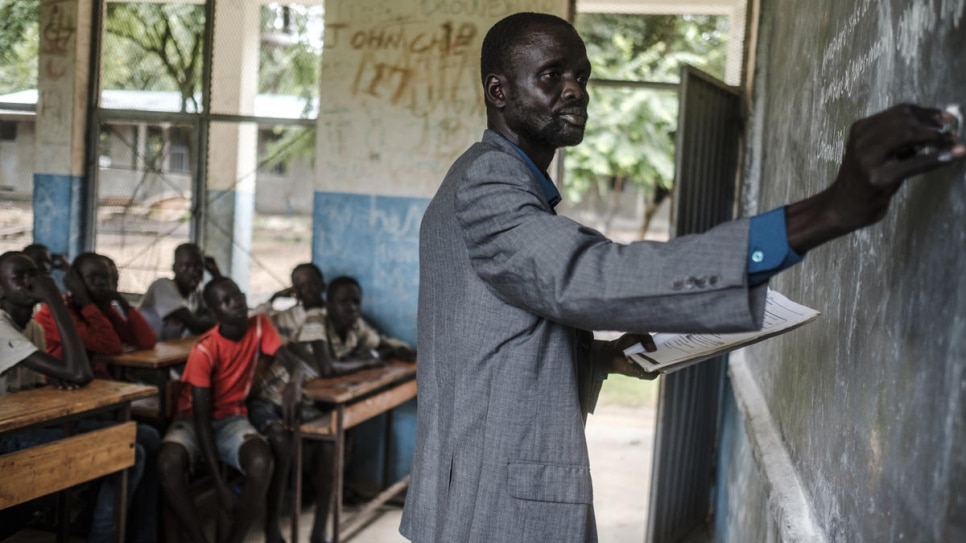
401 90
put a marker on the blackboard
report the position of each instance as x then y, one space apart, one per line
871 398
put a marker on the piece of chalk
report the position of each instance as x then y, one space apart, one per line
955 111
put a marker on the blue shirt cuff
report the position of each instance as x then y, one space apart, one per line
768 250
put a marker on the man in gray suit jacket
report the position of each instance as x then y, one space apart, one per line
508 290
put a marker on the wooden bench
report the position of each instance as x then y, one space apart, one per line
53 467
45 469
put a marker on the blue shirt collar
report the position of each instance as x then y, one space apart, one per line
549 188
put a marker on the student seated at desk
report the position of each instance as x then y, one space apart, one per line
212 421
308 289
333 342
46 261
104 319
22 347
175 307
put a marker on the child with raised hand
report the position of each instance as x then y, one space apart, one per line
213 423
331 338
46 261
174 307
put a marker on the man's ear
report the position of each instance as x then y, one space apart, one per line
494 90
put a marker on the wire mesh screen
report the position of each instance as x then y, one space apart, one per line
19 47
253 145
144 196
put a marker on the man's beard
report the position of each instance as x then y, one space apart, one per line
560 133
550 129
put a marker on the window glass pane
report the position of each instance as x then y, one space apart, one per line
19 45
283 81
151 58
144 191
263 172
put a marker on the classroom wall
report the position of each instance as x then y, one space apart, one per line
400 100
853 428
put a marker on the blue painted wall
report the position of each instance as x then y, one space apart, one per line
376 240
58 212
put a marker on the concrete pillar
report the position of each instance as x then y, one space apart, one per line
62 83
232 149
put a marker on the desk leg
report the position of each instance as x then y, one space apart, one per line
387 451
163 378
296 482
63 504
120 488
339 465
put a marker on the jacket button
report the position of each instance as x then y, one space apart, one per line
700 282
689 282
713 280
677 284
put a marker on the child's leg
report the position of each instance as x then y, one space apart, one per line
324 480
255 457
267 419
102 524
174 461
240 446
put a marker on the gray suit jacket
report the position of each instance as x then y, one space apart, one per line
504 373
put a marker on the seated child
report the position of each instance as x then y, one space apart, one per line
308 289
105 322
212 418
333 342
22 347
103 317
175 307
46 261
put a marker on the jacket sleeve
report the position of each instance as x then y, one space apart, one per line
561 270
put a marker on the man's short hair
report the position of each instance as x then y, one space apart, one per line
206 291
339 282
310 266
495 56
185 247
75 266
10 254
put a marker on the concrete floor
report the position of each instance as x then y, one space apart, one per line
620 440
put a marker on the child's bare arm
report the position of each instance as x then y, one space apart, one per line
390 351
75 368
196 324
329 366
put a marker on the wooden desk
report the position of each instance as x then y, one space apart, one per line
353 399
164 356
53 467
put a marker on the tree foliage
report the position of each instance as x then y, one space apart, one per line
629 138
155 47
291 54
290 61
18 44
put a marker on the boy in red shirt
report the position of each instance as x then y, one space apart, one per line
103 317
213 418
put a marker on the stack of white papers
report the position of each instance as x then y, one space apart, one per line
676 351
